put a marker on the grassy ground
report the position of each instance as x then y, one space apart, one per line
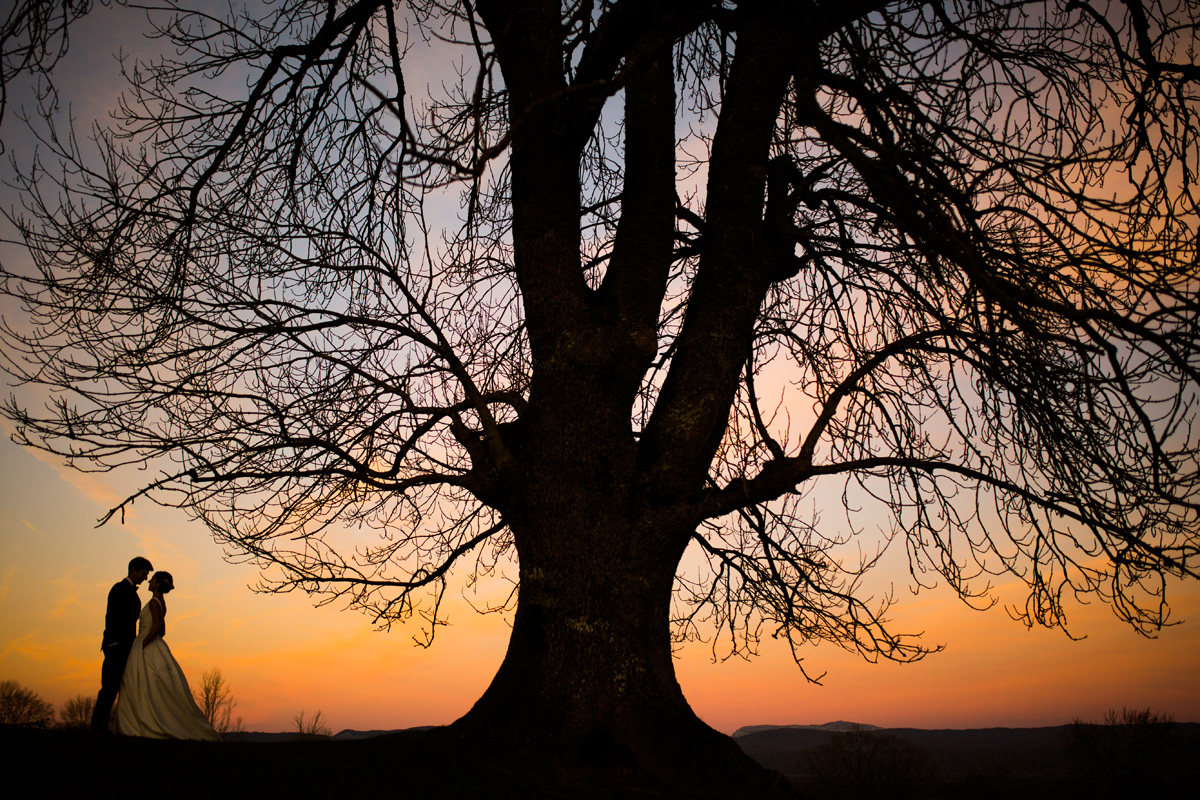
430 764
55 763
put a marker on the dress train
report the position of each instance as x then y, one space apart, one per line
155 699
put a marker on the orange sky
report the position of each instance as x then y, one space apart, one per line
281 655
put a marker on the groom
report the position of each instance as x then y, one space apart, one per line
120 629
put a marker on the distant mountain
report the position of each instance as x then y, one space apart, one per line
979 751
291 736
353 734
259 736
985 751
832 727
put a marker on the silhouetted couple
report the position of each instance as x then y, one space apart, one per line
155 699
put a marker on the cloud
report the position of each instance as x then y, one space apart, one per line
67 592
31 646
92 486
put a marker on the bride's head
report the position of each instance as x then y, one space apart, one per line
162 582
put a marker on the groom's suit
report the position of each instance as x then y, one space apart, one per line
120 629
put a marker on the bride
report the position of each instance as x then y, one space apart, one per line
155 699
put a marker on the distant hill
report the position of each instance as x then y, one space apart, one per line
292 736
1015 754
835 727
1030 750
353 734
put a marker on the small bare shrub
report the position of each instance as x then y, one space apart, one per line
76 713
1126 751
215 699
862 765
21 706
313 727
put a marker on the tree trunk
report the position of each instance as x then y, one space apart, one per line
588 681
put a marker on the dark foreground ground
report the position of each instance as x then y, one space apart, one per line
408 764
1126 762
999 763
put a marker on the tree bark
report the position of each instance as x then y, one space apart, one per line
588 682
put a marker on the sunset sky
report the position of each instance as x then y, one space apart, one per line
280 655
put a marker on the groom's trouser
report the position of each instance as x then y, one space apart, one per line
115 656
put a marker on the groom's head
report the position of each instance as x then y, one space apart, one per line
139 568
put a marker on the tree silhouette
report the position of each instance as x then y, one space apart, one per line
583 285
860 764
313 727
1132 751
21 706
76 713
215 700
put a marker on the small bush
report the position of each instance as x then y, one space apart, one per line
215 700
1127 751
313 727
21 706
76 713
861 765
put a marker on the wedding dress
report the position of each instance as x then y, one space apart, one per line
155 700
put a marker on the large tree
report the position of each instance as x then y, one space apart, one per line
710 263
